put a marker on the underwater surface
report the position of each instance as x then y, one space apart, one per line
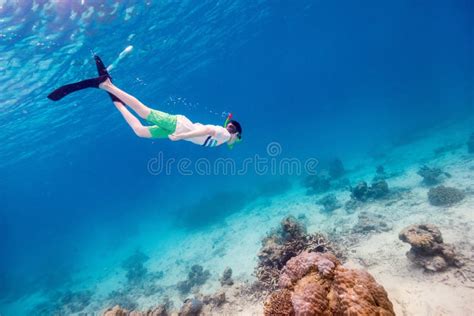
330 94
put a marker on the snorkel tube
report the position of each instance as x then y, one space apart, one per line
237 140
229 117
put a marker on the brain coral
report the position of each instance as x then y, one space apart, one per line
317 284
279 304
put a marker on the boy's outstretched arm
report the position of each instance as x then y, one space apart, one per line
202 131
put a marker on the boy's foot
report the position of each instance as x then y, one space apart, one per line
102 70
104 84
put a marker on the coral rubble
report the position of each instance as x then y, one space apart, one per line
317 284
445 196
427 247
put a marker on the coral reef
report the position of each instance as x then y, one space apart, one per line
196 277
317 284
226 278
279 304
336 169
445 196
283 244
470 144
370 222
315 184
362 192
329 203
427 247
431 176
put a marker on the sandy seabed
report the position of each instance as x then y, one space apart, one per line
236 242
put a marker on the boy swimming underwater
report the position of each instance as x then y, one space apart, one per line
174 127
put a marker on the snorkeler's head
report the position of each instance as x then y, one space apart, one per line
234 127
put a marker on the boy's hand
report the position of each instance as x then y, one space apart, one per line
174 137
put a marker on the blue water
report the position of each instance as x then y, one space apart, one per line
324 79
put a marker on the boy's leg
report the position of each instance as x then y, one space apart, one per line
153 131
165 123
135 124
142 110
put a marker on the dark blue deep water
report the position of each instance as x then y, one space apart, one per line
323 79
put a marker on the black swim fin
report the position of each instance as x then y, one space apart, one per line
63 91
102 70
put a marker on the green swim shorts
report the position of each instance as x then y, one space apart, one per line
164 124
